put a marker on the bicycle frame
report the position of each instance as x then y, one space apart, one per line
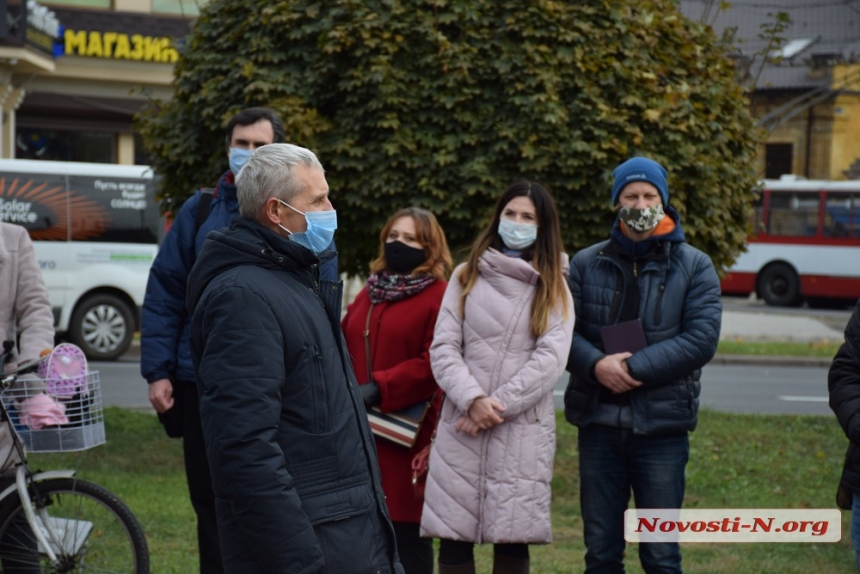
59 522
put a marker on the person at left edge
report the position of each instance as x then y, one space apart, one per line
165 359
293 466
26 318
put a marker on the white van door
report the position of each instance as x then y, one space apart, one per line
95 228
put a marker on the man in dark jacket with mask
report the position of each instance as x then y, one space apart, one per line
634 393
296 483
843 382
165 360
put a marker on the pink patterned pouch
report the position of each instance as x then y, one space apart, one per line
64 371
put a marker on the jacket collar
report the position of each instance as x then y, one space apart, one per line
226 186
496 263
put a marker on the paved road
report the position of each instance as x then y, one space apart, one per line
765 389
747 388
122 385
730 388
756 389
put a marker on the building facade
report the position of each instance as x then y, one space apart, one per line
76 71
800 64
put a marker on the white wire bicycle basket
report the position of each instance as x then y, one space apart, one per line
53 415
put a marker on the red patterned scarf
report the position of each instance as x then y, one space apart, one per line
385 286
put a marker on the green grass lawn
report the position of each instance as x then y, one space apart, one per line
824 349
144 468
736 461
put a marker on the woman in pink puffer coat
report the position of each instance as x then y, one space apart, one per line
501 342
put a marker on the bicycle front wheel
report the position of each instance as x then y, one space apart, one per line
88 528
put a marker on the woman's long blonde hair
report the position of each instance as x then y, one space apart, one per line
428 233
545 254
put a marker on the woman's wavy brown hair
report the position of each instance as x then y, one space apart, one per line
429 233
545 254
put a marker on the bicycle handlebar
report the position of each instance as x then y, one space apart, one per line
28 366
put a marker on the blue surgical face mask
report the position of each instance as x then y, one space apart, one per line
238 157
517 236
320 232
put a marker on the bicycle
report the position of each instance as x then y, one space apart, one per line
51 521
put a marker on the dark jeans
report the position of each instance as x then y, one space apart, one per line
416 553
612 461
199 480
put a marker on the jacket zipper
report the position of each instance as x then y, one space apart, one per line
658 308
323 412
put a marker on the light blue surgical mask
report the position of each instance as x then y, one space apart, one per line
320 232
238 158
517 236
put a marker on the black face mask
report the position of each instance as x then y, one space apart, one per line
403 259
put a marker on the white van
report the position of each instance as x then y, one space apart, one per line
95 228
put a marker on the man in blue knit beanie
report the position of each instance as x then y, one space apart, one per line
648 317
640 169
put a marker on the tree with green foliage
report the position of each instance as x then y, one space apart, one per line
443 103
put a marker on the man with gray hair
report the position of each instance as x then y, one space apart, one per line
296 483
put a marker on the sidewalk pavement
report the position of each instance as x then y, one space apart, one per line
758 327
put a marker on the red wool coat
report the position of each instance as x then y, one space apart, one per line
400 337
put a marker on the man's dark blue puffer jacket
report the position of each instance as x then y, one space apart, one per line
681 312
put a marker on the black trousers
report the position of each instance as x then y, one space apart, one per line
455 552
199 480
416 553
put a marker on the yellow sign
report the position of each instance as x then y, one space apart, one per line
40 39
120 46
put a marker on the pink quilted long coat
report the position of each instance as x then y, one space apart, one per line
495 487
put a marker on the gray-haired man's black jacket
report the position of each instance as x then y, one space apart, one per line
293 464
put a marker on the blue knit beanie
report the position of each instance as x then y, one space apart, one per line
640 169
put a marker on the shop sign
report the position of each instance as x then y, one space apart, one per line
119 46
42 27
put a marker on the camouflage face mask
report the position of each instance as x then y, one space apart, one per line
641 220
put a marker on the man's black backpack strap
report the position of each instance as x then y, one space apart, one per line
206 195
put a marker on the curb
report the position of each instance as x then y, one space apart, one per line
719 359
771 361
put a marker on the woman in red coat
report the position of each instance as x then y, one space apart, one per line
400 304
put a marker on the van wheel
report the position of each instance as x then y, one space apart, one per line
102 326
779 286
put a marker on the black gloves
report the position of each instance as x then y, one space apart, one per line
370 394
